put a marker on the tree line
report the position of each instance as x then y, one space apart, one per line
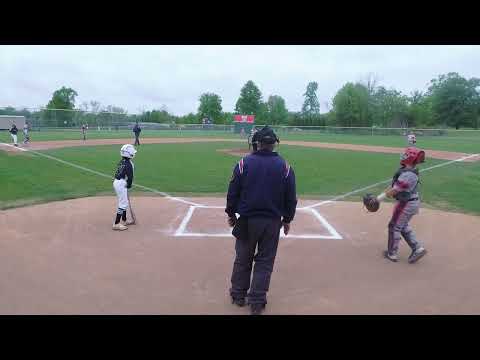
450 101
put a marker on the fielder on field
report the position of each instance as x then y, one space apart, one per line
26 137
404 191
122 182
13 133
411 139
84 132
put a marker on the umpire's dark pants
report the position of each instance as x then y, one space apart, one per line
264 233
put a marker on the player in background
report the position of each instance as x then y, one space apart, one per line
404 191
137 130
411 139
26 137
13 133
84 132
123 180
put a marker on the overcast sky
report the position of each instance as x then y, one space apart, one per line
147 77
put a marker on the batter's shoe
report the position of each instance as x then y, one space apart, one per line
119 227
417 255
257 309
239 302
392 258
128 222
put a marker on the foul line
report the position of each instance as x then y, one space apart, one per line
104 175
383 182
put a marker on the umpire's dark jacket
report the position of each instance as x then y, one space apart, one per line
262 185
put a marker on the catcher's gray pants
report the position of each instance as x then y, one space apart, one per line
264 233
398 226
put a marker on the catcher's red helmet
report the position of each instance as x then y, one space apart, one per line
412 156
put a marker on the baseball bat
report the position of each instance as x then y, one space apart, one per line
134 218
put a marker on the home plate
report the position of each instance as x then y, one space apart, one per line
211 221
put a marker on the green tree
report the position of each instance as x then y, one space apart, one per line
420 110
250 100
390 108
351 104
63 98
311 106
211 106
454 100
277 112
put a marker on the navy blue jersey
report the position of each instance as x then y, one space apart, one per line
13 130
125 171
262 185
137 130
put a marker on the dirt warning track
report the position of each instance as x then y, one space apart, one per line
45 145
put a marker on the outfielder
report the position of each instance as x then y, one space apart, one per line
404 190
123 181
13 133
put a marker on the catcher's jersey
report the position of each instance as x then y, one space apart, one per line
407 181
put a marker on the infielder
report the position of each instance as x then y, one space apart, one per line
13 133
84 132
137 130
26 137
122 182
412 139
404 191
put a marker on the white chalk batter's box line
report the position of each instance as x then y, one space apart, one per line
333 234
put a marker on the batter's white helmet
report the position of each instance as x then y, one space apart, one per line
128 151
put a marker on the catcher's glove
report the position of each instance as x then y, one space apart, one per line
371 203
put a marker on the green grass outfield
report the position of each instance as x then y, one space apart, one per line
198 169
468 142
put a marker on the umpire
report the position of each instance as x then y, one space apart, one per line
137 130
262 191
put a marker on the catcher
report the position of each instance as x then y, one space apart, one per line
404 191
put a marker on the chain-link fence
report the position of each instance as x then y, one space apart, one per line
64 120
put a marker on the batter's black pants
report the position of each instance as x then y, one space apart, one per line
263 233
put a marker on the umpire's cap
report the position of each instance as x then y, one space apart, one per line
267 136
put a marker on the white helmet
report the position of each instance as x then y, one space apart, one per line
128 151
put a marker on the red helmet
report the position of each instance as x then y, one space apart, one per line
412 156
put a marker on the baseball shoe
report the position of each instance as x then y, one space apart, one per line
128 222
239 302
256 309
392 258
417 255
119 227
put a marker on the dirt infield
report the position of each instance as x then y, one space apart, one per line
44 145
63 258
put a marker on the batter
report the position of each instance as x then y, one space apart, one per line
123 181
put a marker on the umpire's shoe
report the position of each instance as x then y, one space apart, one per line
417 255
239 302
256 309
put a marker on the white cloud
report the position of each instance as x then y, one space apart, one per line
147 77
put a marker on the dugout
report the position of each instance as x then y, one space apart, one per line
6 122
245 122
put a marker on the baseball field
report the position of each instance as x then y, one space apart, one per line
58 254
